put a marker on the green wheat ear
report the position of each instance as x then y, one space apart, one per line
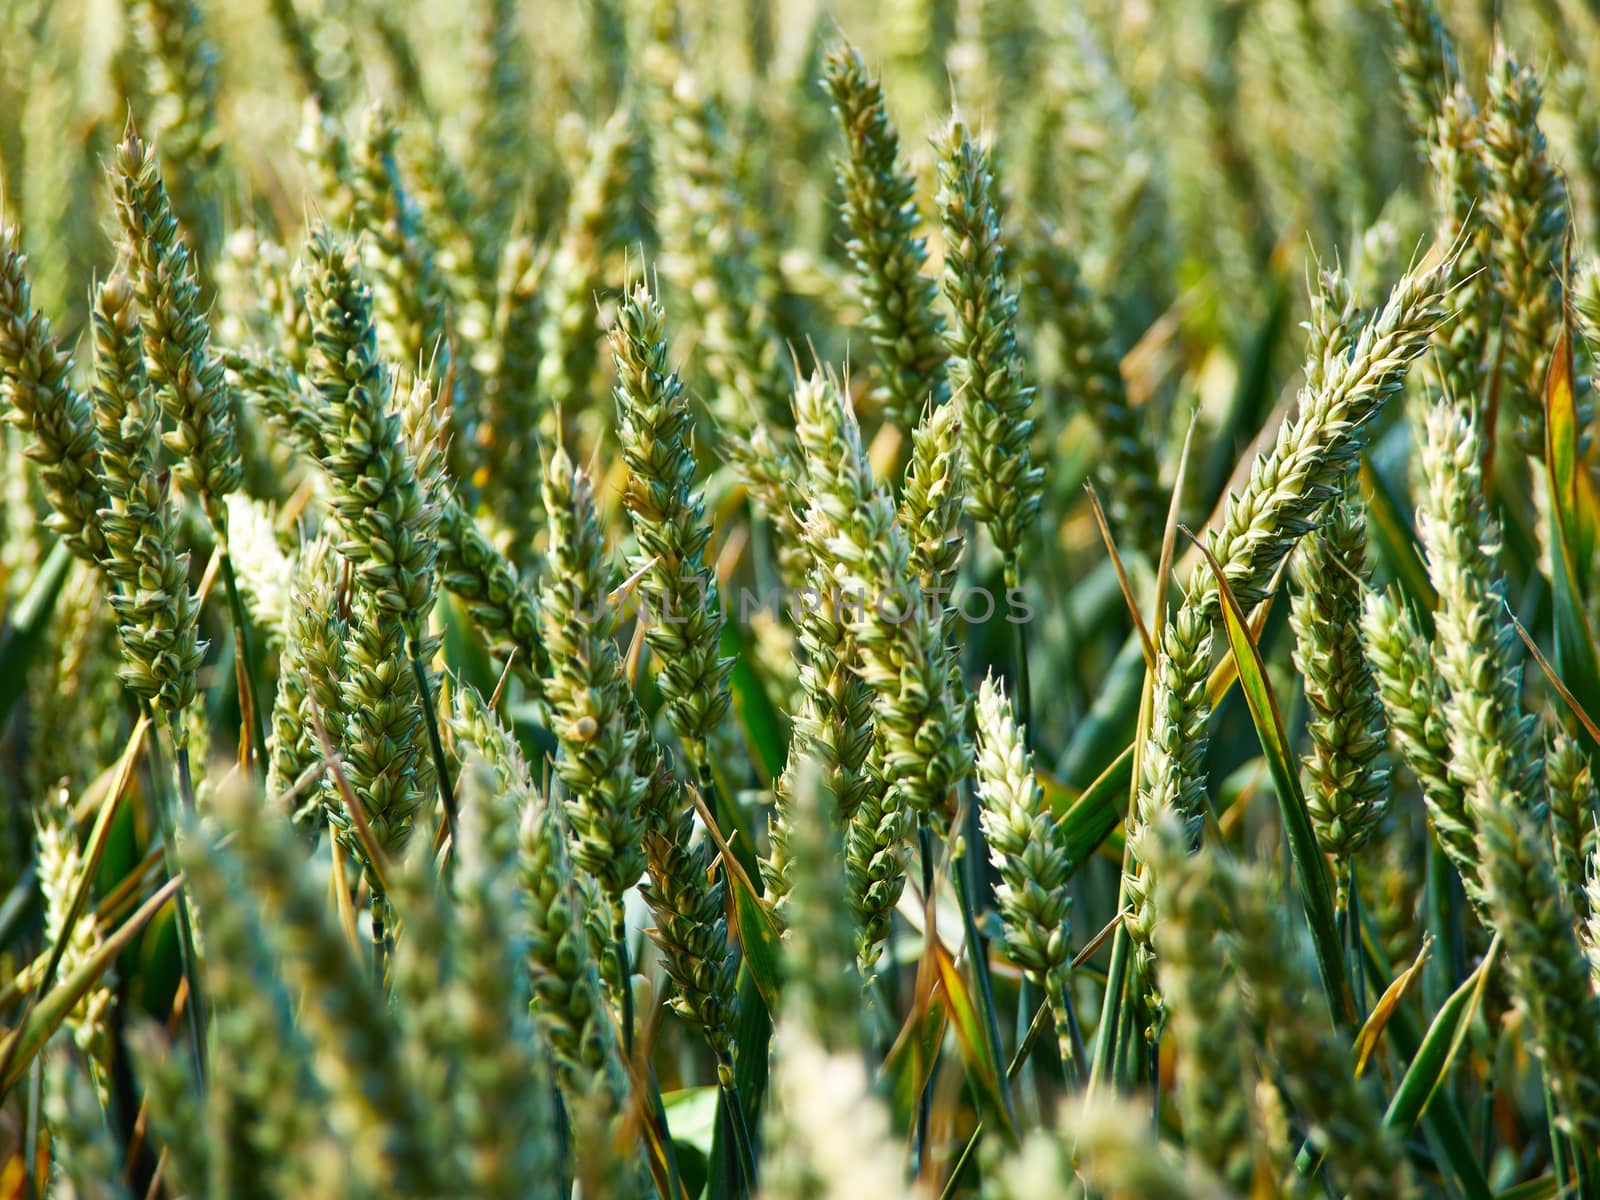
1458 365
587 691
1027 846
323 77
986 368
569 1004
172 1099
385 750
501 144
387 519
410 301
919 714
310 703
1349 793
1574 814
711 257
60 862
1493 755
502 1101
827 1132
185 370
1218 1065
688 900
269 1110
1425 59
821 987
82 1145
508 429
1288 486
180 64
931 504
1526 204
596 223
374 1108
158 616
1102 1142
1413 695
410 359
42 405
1128 474
668 511
1491 740
833 723
880 211
1292 1029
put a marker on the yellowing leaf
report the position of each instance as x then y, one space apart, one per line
1572 533
981 1058
1372 1028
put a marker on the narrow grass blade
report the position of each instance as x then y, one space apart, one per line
1169 531
1037 1026
47 1016
733 836
1093 815
660 1150
1226 673
1430 1065
1442 1119
1128 681
909 1063
93 855
752 919
1122 575
1543 1188
1105 1056
1310 869
1550 673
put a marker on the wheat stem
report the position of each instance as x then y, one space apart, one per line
619 939
188 957
738 1125
919 1144
430 718
251 699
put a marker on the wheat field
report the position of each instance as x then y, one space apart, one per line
652 598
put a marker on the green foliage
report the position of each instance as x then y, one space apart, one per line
552 641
